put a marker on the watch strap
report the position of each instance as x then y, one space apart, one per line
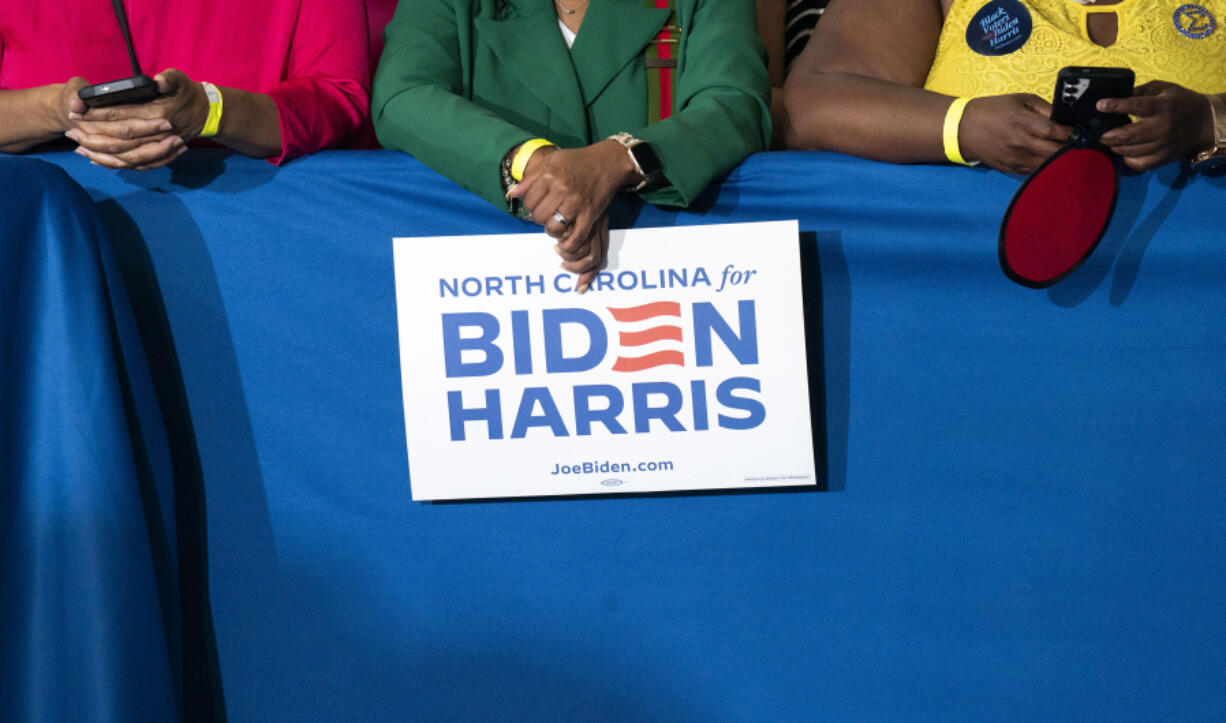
631 144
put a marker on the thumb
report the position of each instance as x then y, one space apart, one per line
169 80
76 106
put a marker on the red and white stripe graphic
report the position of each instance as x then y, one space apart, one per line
646 336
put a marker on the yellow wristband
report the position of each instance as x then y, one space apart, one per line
213 122
520 163
953 117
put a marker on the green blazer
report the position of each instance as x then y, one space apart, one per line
463 81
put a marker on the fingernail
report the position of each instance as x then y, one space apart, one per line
511 188
582 288
75 116
164 126
79 151
74 135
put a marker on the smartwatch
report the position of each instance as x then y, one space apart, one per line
645 161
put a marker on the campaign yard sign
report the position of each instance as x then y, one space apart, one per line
682 368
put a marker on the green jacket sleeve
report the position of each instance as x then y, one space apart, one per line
418 103
723 102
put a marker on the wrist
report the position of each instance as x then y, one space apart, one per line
623 173
522 155
648 171
213 104
537 158
952 136
54 106
1210 147
206 110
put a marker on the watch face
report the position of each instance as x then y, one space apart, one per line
647 159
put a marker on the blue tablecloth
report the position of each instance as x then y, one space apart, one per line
1024 504
88 579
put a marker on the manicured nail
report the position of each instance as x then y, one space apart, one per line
79 151
582 288
74 134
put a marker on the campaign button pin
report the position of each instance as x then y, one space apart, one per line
999 28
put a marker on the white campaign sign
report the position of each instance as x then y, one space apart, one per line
682 368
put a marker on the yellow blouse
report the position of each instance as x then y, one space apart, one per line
1017 46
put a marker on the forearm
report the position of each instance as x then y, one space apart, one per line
418 102
707 138
448 133
249 123
864 117
30 116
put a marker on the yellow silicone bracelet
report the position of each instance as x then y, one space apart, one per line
520 162
213 122
953 117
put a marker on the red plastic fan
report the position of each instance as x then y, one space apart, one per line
1059 215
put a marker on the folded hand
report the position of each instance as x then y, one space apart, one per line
567 192
143 135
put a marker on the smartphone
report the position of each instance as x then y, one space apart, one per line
137 89
1078 89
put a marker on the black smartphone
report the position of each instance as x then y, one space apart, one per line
1078 89
137 89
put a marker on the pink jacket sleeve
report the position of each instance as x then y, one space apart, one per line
325 96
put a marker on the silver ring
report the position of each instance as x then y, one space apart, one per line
557 216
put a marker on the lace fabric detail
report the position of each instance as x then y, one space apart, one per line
1154 38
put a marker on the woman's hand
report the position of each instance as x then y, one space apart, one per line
143 135
70 103
576 185
586 256
1171 122
1012 133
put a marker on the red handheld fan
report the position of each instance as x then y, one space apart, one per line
1060 213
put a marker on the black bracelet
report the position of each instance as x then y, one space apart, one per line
504 169
514 206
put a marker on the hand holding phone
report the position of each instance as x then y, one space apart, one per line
146 135
1078 90
1171 123
137 89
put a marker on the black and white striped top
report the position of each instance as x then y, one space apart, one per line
799 20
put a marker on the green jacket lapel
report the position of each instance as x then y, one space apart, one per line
530 46
613 33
